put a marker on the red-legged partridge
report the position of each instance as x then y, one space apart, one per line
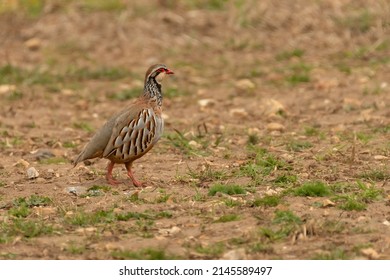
131 133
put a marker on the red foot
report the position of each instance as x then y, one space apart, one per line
136 183
109 177
112 181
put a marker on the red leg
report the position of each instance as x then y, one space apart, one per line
136 183
109 177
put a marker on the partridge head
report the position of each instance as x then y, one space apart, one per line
132 132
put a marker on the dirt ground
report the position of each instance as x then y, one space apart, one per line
277 136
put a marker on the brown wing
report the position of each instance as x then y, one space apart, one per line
133 134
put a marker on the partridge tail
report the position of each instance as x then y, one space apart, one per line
79 159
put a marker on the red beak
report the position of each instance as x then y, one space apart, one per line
169 72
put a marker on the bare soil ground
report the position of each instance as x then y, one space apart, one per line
277 138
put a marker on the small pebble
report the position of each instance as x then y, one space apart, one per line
245 85
32 173
380 157
238 113
22 162
77 190
275 127
238 254
206 103
33 44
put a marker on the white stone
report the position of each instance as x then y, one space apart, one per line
7 88
32 173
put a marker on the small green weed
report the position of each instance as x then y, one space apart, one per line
26 228
356 197
212 250
231 203
285 221
267 201
83 126
227 189
143 254
20 211
358 23
207 174
253 139
82 218
336 254
181 142
312 189
96 190
260 247
15 95
299 73
263 164
69 144
75 249
382 129
8 256
54 160
273 234
285 180
289 54
286 217
375 175
134 197
163 197
363 138
333 227
351 202
298 146
228 218
33 200
344 67
85 219
312 131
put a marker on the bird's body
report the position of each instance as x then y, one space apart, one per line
131 133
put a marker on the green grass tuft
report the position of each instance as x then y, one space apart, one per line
298 146
84 219
33 200
96 190
83 126
312 189
267 201
375 175
285 180
143 254
54 160
212 250
289 54
207 174
227 189
352 203
286 217
337 254
228 218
